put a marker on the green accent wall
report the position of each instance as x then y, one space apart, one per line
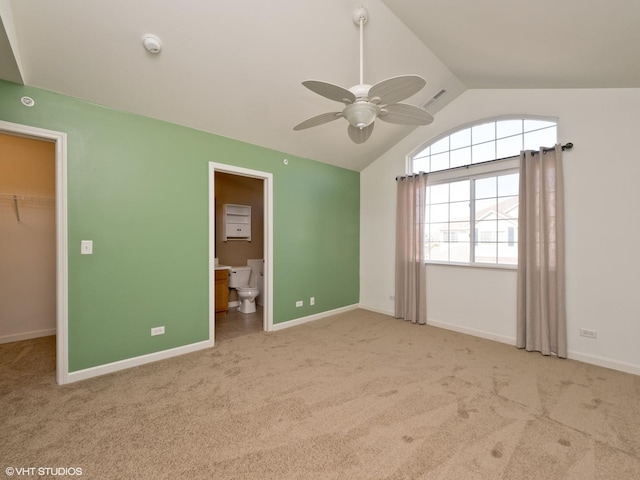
138 187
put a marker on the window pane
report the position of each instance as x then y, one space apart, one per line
530 125
504 227
508 185
439 251
459 191
439 213
508 254
439 232
459 252
508 207
486 231
459 232
509 147
483 152
461 139
439 193
486 209
483 133
460 157
440 146
421 165
425 152
486 187
507 128
486 252
459 211
439 161
540 138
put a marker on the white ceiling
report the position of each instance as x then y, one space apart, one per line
235 68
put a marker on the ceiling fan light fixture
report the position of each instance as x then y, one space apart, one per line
361 114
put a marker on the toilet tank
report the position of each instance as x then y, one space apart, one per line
239 276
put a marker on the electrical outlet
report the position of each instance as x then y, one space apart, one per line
312 301
299 303
584 332
157 331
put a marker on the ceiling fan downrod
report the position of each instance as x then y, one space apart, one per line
360 17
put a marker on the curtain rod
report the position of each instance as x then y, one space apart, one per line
566 146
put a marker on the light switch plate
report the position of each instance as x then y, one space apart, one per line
86 247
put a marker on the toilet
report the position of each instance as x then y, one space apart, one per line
239 278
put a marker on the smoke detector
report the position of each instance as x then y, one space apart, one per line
152 43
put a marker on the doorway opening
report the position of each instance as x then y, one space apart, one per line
254 177
61 256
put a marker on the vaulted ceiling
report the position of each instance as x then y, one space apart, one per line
235 68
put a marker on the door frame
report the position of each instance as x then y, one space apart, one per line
62 259
267 191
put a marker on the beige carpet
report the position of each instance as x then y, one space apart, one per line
355 396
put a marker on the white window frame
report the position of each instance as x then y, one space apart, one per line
474 172
489 168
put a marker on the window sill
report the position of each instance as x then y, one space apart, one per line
481 266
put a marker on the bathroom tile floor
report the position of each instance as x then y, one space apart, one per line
235 324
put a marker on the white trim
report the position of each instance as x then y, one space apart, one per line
27 335
391 313
571 355
62 249
267 318
311 318
135 362
604 362
473 332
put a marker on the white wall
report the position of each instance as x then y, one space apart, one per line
603 231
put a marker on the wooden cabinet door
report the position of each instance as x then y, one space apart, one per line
222 290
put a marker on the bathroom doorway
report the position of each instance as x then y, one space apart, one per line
237 253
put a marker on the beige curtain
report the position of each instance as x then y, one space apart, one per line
541 276
411 287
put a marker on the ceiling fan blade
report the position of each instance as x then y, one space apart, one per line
360 135
318 120
395 89
405 114
330 91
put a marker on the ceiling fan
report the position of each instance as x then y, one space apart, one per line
364 103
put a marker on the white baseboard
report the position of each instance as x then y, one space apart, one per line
27 335
311 318
391 313
472 331
135 361
572 355
604 362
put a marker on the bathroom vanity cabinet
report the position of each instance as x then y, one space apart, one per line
236 223
222 290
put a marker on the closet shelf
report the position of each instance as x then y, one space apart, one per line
16 199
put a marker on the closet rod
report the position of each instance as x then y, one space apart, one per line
566 146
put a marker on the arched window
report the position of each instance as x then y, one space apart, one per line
472 192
